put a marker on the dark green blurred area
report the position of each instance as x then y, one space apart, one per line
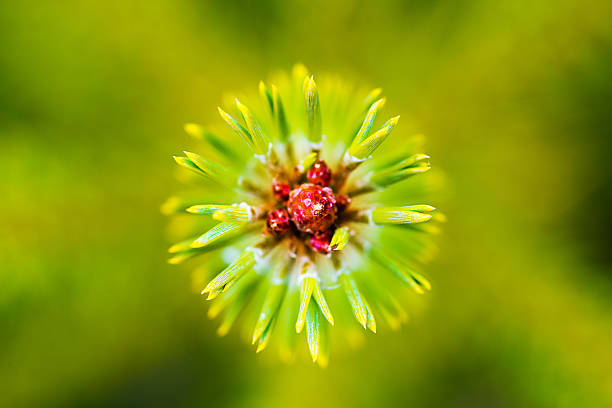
515 98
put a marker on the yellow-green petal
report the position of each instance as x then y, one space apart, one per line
306 289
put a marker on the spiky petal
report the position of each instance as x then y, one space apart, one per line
313 110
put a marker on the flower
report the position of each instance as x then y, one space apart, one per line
289 228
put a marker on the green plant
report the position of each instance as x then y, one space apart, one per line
304 247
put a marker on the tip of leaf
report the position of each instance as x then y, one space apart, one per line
193 209
212 295
340 239
379 104
193 130
192 156
299 70
372 326
310 160
424 217
261 347
175 248
322 362
174 260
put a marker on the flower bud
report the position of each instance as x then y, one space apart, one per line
277 222
319 174
312 208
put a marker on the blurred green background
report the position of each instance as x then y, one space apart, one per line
515 97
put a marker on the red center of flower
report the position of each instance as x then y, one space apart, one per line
312 208
309 211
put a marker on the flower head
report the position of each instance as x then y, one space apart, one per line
301 241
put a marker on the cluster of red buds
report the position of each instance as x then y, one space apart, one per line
309 209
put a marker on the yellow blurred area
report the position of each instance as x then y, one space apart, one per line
513 96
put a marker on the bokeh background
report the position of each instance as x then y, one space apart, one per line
516 100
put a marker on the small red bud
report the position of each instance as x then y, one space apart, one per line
320 242
320 174
277 222
281 190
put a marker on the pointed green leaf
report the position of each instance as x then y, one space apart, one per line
219 212
279 114
219 231
406 274
371 97
239 129
287 334
318 295
323 350
312 328
199 133
364 149
242 288
181 246
340 239
173 205
361 309
306 289
206 209
416 164
203 167
310 160
269 309
298 72
210 168
400 215
194 130
230 317
234 213
371 322
260 143
241 265
234 301
313 110
354 297
265 336
266 95
188 164
368 121
183 255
